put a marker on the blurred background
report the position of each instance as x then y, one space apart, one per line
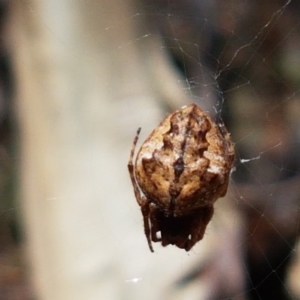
77 78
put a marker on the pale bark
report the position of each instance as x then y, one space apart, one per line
83 88
87 77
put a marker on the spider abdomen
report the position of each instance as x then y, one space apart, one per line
182 168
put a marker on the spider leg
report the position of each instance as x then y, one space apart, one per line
199 229
146 212
134 146
155 226
139 198
142 201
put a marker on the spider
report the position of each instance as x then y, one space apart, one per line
181 169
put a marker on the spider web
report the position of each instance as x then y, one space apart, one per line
236 61
240 62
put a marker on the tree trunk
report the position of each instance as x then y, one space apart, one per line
84 85
88 74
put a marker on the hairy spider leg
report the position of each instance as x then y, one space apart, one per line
142 201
